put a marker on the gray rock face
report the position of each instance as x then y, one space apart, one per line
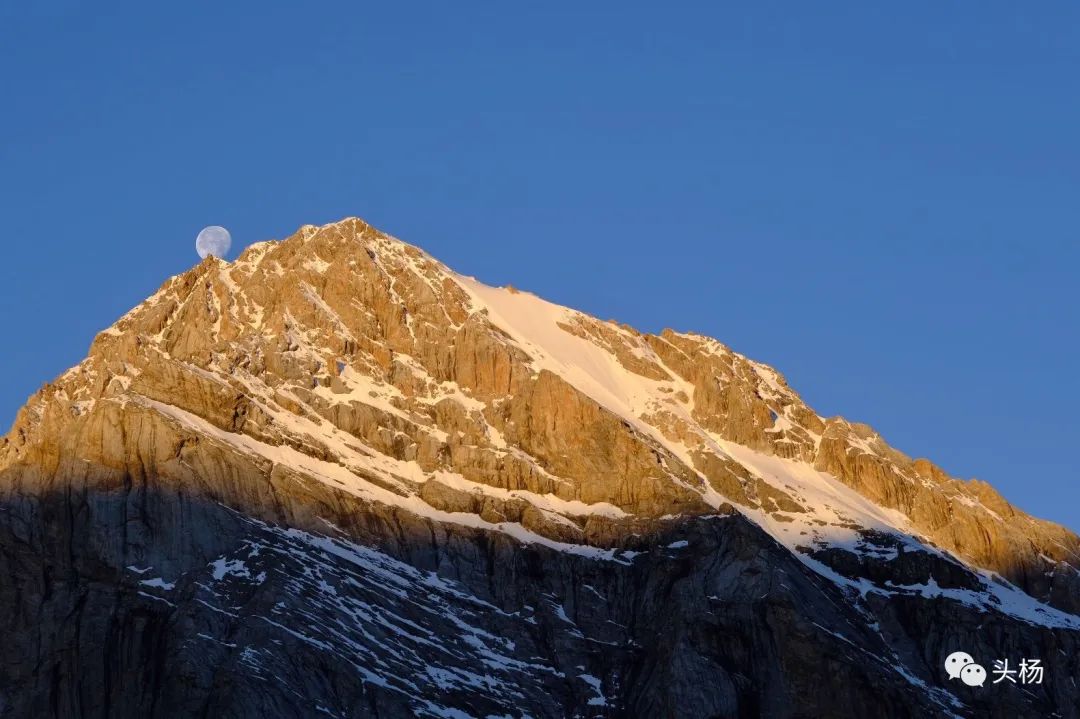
176 606
337 479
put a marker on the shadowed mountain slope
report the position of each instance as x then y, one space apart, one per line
335 477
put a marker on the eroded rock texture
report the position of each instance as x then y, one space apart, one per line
336 478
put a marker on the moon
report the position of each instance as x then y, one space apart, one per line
213 240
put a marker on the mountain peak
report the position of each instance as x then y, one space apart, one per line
336 462
392 377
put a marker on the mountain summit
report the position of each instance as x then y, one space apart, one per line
337 478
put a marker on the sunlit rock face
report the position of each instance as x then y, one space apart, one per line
315 476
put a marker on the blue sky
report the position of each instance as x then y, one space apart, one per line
880 201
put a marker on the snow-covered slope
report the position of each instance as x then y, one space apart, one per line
832 515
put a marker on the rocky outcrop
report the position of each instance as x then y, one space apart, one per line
369 486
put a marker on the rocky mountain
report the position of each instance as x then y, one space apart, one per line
336 478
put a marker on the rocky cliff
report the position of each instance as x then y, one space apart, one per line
335 477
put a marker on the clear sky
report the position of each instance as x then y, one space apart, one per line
880 199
